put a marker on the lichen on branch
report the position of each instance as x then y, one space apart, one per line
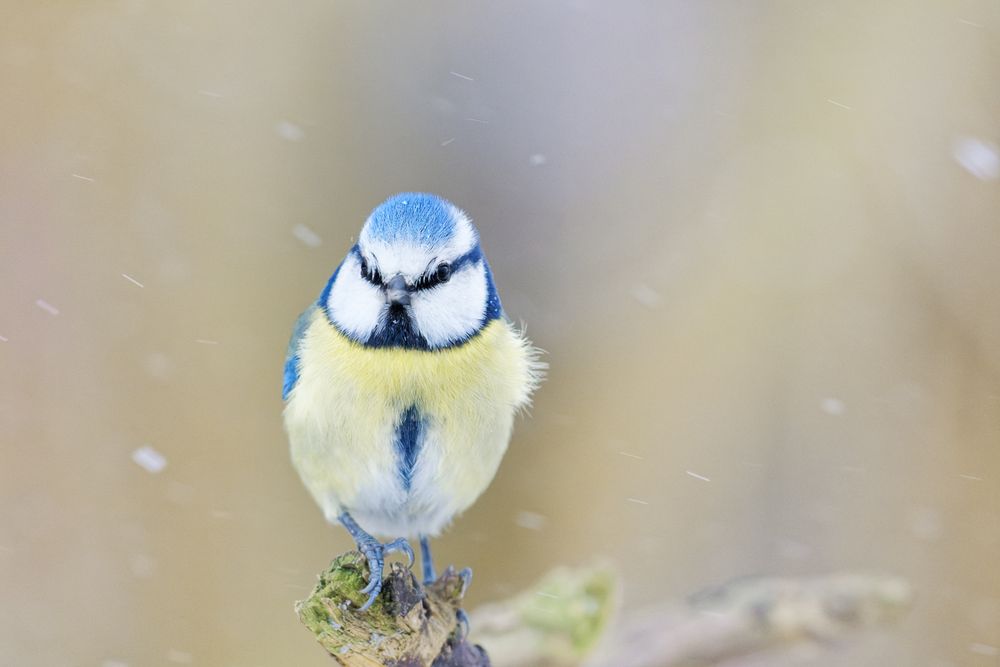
409 625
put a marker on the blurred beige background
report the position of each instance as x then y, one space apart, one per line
760 241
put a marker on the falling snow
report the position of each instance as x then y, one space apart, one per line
530 520
132 280
979 158
461 76
159 366
180 657
289 131
646 295
142 566
306 235
984 649
537 160
789 549
926 524
832 406
47 307
443 105
697 476
150 459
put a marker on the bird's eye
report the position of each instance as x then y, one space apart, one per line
372 276
430 280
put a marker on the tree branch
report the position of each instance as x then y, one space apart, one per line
561 619
741 618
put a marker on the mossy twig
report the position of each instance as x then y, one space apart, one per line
409 625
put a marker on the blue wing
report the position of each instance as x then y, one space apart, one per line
292 355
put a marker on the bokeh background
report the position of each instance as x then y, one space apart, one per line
759 240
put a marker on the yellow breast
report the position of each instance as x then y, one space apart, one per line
342 415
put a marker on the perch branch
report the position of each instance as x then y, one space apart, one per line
409 625
569 613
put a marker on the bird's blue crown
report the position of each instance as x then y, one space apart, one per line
414 217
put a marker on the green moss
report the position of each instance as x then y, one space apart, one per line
572 608
407 624
331 610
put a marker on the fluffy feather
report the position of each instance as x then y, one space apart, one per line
344 411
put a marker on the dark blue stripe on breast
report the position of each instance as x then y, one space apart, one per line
408 436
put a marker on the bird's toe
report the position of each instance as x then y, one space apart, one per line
402 546
374 552
465 574
463 624
374 582
372 596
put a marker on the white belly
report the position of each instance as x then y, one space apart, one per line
388 505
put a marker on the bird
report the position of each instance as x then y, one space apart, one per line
402 381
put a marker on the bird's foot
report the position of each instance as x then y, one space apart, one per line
374 552
462 630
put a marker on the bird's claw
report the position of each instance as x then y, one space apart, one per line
374 552
462 631
465 574
374 582
402 546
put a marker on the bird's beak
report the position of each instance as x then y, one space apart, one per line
396 292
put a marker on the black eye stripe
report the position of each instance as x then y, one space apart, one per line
426 281
371 275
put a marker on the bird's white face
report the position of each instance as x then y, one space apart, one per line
407 285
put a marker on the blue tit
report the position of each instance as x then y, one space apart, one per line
402 381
